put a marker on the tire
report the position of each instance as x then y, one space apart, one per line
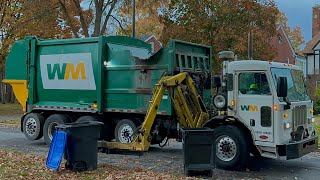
33 126
125 130
232 147
105 133
51 123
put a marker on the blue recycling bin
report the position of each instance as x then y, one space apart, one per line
56 150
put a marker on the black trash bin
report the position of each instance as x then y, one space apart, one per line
198 151
81 150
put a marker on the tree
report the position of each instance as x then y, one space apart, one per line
84 16
224 25
295 35
147 17
20 18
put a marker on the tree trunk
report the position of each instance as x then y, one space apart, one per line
12 96
3 97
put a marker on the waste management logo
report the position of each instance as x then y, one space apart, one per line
67 71
249 108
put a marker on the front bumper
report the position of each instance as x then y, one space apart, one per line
298 149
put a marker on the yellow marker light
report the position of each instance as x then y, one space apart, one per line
275 107
233 103
95 106
311 110
285 115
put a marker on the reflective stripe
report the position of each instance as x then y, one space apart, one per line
131 111
59 108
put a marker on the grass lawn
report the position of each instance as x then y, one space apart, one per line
15 165
10 109
317 127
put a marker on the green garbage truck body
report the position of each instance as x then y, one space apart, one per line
109 79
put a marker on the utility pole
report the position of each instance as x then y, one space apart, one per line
250 45
133 18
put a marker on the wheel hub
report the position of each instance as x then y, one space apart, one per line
226 148
31 126
125 133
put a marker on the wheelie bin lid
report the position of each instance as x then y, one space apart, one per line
79 124
56 149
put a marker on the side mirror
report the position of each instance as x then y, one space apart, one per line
216 81
282 87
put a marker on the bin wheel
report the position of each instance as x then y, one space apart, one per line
77 166
68 166
125 131
232 147
33 126
51 123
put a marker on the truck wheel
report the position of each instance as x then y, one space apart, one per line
232 147
32 126
125 130
51 123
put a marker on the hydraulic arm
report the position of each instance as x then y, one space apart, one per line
187 103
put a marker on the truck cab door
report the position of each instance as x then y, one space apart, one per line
254 104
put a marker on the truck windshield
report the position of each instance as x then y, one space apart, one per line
296 85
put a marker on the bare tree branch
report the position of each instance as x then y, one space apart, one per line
82 19
104 26
69 20
109 2
118 22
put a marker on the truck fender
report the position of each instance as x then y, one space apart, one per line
218 120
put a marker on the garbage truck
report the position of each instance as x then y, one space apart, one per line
255 107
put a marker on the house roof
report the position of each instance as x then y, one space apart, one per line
311 44
147 37
279 26
144 37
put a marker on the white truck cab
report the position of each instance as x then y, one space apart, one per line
264 109
281 127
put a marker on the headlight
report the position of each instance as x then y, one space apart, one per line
311 120
287 125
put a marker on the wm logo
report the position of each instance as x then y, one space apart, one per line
67 70
249 108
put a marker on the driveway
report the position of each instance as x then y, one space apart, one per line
170 159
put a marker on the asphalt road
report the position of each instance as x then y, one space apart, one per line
170 159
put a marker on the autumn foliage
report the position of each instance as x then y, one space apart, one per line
224 25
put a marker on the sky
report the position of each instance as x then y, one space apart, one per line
299 13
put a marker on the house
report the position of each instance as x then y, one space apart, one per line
312 52
312 49
151 39
285 50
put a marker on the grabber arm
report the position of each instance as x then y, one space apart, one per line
187 103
